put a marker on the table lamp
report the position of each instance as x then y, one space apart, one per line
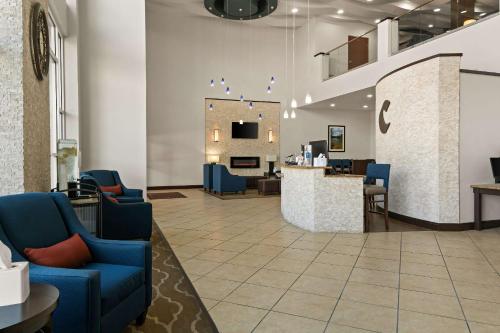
271 159
213 159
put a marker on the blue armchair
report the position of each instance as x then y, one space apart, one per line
226 182
126 220
103 296
208 178
100 178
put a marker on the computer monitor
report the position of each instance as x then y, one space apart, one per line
319 147
495 167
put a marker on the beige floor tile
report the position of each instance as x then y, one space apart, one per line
434 304
287 265
236 318
422 258
343 240
380 254
221 235
205 243
217 255
199 267
276 322
483 328
187 251
474 276
266 250
308 245
424 270
379 244
253 260
461 253
336 259
371 294
209 303
483 312
216 289
328 271
426 284
475 264
254 295
471 290
343 249
306 305
232 272
413 322
281 239
270 278
365 316
318 286
370 276
233 246
334 328
323 237
298 254
421 248
378 264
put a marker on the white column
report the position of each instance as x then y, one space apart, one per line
384 37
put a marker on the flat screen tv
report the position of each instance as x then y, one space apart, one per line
245 130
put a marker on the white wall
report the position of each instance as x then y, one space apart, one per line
479 140
313 125
112 58
184 53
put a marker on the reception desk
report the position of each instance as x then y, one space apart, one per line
322 203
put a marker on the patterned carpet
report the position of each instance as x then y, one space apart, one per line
176 307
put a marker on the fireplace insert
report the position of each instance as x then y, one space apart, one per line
245 162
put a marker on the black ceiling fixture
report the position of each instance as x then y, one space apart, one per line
241 9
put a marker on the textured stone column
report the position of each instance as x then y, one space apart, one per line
24 106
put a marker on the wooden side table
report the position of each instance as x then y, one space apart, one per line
479 190
32 315
269 186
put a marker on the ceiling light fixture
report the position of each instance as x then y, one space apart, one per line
295 10
377 21
369 96
365 106
340 11
437 10
332 105
293 104
431 25
285 114
308 99
293 115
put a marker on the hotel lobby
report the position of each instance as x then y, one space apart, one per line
241 166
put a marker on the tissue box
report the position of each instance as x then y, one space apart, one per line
14 284
320 162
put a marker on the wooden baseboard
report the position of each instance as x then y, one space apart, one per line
174 187
443 226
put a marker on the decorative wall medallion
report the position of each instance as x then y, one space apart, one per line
39 41
384 127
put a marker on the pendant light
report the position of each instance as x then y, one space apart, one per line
293 104
293 115
242 98
212 83
269 89
285 114
308 99
222 82
273 80
228 91
210 107
250 105
260 117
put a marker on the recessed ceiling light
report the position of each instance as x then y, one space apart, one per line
272 7
377 21
295 10
241 9
340 11
365 106
209 8
437 10
463 12
332 105
482 14
369 96
431 25
369 0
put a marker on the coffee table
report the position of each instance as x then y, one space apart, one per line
269 186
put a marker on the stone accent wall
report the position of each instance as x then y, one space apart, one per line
24 106
423 139
228 111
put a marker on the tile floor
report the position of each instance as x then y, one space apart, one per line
256 273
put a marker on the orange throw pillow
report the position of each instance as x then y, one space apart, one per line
116 189
71 253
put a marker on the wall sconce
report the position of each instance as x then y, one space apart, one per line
216 135
270 136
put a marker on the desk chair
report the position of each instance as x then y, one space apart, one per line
371 190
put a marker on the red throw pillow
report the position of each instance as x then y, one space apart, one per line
116 189
115 200
71 253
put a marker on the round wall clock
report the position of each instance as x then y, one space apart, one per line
39 41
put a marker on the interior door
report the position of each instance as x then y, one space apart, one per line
357 51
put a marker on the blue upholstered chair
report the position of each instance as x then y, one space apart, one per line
346 165
226 182
208 177
336 164
125 221
103 296
100 178
376 172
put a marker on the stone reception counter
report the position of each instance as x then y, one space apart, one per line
322 203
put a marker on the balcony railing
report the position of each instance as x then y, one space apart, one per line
438 17
356 52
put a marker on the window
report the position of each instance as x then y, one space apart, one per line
56 91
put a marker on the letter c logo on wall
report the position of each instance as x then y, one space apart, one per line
384 127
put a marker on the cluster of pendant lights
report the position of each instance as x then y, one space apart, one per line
293 103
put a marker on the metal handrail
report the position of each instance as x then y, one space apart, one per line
346 43
414 9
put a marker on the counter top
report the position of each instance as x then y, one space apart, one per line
487 186
305 167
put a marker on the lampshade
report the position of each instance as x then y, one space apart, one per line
216 135
271 158
213 158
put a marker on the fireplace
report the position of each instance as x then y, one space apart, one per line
245 162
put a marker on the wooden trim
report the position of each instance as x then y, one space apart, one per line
471 71
443 226
237 100
419 61
174 187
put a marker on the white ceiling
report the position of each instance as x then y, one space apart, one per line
354 101
354 10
